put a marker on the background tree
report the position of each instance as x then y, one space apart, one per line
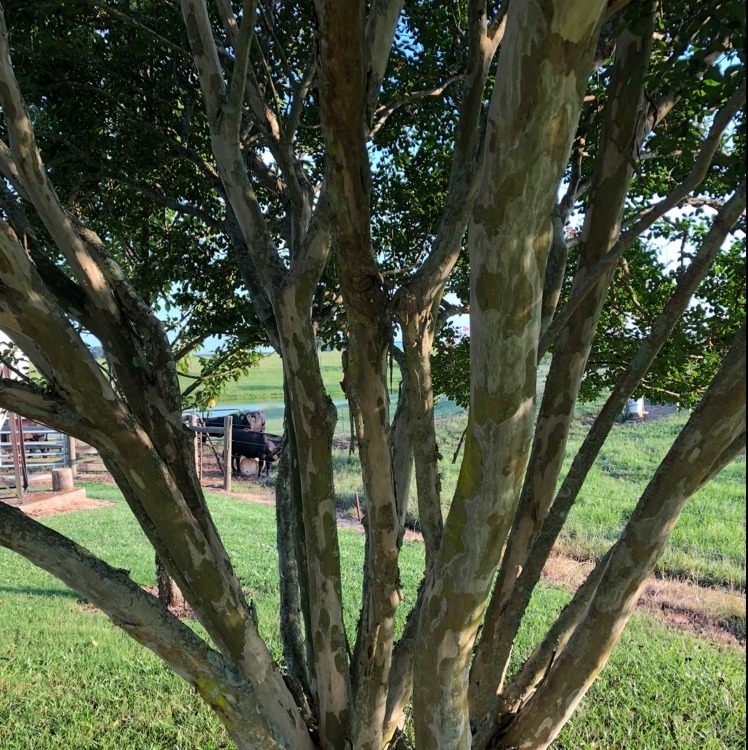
286 147
113 103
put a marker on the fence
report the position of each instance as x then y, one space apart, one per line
27 446
43 447
192 420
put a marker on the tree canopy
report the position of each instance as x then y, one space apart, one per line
290 173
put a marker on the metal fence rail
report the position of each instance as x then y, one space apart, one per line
43 448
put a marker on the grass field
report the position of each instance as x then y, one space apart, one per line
708 542
661 689
264 383
69 679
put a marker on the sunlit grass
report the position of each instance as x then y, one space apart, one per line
707 544
263 384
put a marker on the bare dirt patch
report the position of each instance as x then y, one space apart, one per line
53 506
714 613
41 503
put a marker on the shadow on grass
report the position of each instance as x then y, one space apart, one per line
31 591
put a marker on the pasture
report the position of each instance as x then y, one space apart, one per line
708 543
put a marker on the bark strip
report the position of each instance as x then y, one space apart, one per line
509 239
601 229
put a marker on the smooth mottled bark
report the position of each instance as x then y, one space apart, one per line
509 240
416 303
292 619
717 421
343 98
603 221
401 448
418 336
285 233
314 425
312 411
150 452
514 604
555 269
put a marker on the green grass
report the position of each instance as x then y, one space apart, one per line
708 542
263 384
68 678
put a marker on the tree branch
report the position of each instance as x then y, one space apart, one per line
143 618
381 24
713 428
383 113
227 149
135 24
649 216
234 105
34 176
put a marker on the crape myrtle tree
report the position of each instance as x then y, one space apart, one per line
347 154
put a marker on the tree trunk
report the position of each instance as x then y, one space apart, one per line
292 622
418 336
401 447
343 111
314 417
611 184
168 592
509 240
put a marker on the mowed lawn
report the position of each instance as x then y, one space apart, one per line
70 679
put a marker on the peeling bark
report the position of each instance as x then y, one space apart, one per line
343 97
359 699
601 229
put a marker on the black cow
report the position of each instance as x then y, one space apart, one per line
260 445
29 435
256 420
248 420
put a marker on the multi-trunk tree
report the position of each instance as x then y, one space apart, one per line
353 162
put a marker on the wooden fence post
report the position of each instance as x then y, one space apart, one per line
227 420
71 454
18 453
196 441
62 479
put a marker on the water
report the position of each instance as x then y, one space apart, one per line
274 413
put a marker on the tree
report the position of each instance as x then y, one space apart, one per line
527 98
